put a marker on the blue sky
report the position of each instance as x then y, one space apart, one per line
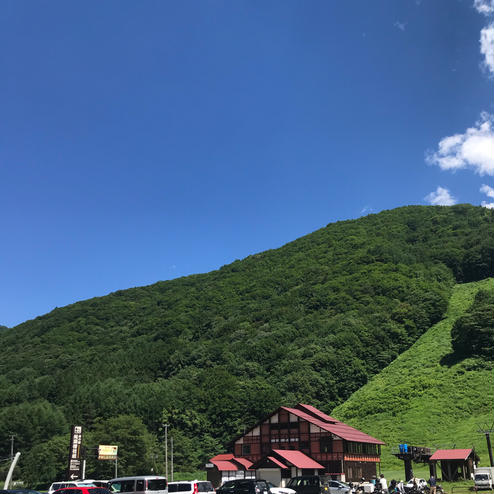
143 141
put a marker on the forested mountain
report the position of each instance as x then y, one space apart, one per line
210 354
437 393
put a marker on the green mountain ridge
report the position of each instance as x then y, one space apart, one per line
211 354
424 398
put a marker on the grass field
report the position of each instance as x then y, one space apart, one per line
425 397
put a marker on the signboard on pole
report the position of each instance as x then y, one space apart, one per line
106 452
74 470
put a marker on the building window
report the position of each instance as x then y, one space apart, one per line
246 449
326 444
362 448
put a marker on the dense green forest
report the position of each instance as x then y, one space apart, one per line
211 354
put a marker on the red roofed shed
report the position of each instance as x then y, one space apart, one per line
451 454
283 464
227 467
455 463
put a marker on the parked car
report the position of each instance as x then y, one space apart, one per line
19 491
191 487
69 483
244 486
337 487
421 484
82 490
280 490
309 484
143 484
101 483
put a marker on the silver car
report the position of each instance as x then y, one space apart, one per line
337 487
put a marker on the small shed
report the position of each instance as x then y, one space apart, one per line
456 464
227 467
281 464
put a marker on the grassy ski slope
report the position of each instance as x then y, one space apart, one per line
425 397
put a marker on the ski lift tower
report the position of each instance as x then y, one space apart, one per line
415 454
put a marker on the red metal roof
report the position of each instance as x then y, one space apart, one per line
313 410
227 461
223 465
338 428
277 462
297 458
224 456
451 454
243 461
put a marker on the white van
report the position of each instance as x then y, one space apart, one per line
70 483
145 484
483 477
191 487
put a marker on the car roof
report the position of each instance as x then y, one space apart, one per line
188 481
246 480
75 483
139 477
79 487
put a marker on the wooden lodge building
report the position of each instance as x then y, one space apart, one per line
299 441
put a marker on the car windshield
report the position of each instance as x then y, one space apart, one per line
179 487
157 485
293 482
481 476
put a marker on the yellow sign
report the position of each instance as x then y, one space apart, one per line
106 452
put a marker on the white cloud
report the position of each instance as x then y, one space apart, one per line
474 149
489 192
485 7
367 210
487 47
400 25
441 197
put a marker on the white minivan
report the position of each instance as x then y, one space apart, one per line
145 484
191 487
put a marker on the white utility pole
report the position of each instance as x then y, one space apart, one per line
12 447
11 470
166 451
171 447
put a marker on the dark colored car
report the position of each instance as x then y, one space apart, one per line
102 483
244 486
309 484
18 491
